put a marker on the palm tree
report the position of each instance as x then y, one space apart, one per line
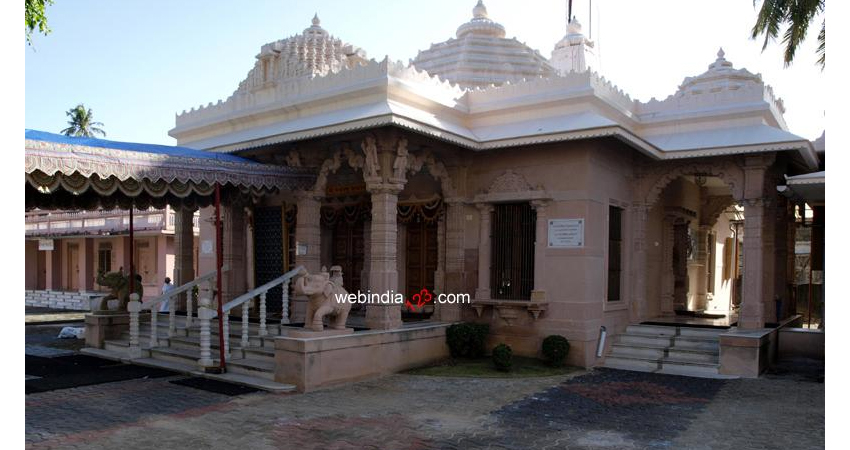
82 123
797 14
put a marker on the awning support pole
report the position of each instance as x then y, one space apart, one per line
132 244
219 256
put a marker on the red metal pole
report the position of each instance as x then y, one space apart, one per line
132 244
218 263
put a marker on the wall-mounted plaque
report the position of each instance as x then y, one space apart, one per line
45 244
207 247
566 233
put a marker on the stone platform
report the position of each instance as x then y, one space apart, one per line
319 362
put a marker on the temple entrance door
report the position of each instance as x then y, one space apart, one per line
73 267
681 253
348 252
269 257
421 257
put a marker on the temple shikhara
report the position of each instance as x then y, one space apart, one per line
526 180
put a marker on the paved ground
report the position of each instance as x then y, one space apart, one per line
602 409
45 315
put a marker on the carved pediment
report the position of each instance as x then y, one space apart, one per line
510 181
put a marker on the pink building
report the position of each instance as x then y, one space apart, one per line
65 250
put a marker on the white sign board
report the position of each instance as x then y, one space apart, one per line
206 247
566 233
45 244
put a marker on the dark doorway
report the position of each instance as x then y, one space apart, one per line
269 261
348 252
421 257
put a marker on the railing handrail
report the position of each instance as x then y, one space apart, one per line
259 290
181 289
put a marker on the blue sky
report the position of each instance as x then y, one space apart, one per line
137 63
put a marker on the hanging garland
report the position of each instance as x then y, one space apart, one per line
416 212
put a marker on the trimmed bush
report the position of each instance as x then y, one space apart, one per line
502 357
466 340
555 349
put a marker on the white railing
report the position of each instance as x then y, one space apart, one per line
244 301
171 296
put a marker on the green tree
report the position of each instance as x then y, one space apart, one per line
796 15
35 17
82 123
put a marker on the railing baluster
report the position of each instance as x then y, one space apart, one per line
204 315
245 325
284 310
172 315
189 309
263 331
226 330
133 307
154 317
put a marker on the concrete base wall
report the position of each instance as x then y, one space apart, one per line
100 327
61 299
802 342
317 363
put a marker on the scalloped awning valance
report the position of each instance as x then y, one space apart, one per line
86 173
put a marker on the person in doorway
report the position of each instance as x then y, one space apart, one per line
167 286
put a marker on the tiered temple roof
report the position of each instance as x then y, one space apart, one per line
480 55
482 91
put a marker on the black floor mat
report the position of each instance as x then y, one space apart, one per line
218 387
688 325
71 371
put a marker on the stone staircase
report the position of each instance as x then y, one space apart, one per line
671 350
253 366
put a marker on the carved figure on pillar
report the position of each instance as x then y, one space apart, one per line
372 166
400 164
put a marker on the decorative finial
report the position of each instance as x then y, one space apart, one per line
721 53
316 20
480 11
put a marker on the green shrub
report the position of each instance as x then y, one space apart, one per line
466 340
555 349
502 357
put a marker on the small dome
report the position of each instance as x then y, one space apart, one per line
314 52
481 56
481 24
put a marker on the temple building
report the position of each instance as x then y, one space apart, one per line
560 204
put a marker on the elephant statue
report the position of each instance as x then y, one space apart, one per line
119 286
323 293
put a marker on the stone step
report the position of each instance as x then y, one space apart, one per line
632 363
672 366
252 367
654 330
709 357
709 333
696 343
230 377
260 353
646 340
634 350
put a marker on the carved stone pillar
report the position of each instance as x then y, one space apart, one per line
540 244
440 273
367 255
757 297
484 248
455 276
308 235
233 235
383 275
184 250
640 308
757 292
703 232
